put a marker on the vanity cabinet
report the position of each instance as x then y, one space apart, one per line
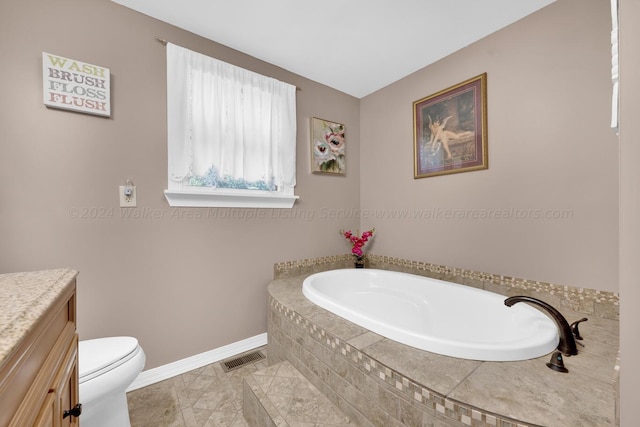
38 349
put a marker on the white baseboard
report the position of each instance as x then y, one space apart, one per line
179 367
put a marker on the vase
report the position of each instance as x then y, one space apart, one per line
359 263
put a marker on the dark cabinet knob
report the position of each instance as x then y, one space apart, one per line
73 412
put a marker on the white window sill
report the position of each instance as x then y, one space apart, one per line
223 198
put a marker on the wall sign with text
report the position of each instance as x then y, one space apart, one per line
75 85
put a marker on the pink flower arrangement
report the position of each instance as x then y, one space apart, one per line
358 242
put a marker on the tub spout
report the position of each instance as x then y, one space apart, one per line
567 343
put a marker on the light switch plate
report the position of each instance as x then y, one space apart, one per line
128 202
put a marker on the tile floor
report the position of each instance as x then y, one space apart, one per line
204 397
279 395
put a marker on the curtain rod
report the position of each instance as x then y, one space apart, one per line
164 43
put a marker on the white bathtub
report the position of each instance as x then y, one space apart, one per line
434 315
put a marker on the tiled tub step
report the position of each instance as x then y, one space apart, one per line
280 396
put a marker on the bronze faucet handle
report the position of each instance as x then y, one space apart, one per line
556 363
574 328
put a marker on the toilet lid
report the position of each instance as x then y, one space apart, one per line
104 354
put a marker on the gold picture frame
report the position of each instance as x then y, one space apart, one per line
328 154
450 130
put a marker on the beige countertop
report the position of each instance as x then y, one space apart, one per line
24 298
523 390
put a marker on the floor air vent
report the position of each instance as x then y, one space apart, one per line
240 361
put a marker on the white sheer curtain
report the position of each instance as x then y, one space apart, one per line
239 122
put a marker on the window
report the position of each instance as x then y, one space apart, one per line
231 134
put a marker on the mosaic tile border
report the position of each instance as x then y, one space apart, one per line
589 301
285 269
427 399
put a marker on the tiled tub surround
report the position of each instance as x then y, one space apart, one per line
587 301
378 382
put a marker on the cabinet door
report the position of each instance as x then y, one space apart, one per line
66 389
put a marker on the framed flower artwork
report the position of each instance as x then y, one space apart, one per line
327 147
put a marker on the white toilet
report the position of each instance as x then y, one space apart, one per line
106 367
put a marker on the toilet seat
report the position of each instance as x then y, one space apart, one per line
98 356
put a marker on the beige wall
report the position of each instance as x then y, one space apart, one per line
550 148
629 211
182 286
